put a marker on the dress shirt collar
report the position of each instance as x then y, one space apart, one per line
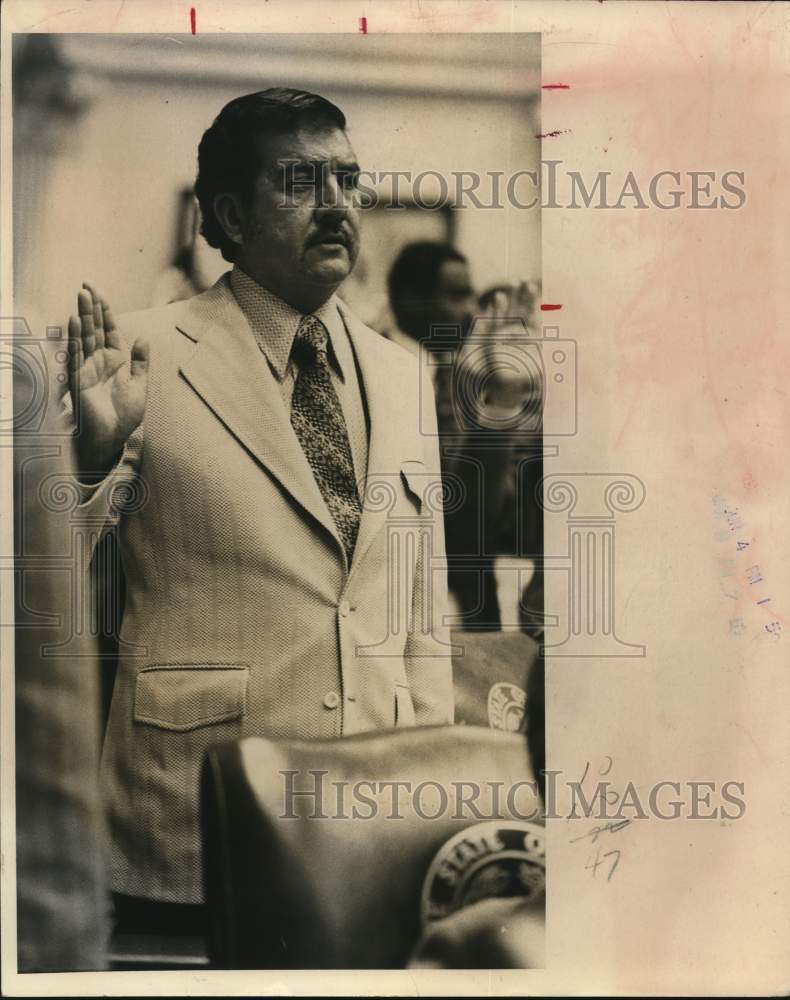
274 323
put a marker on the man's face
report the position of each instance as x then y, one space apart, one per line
453 300
300 227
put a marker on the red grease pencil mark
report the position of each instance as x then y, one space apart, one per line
549 306
552 135
556 86
192 19
363 25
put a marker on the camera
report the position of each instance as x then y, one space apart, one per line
31 360
501 380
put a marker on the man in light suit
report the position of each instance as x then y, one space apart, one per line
255 445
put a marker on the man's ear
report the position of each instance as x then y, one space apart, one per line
229 214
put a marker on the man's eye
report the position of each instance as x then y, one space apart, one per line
301 180
349 180
306 179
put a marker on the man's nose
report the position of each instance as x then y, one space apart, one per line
334 201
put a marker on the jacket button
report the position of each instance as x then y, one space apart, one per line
331 699
344 608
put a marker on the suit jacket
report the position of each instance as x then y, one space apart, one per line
242 617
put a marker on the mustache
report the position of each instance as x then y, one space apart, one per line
332 236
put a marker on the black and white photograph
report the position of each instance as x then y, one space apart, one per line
291 535
393 411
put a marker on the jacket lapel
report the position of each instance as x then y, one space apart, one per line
387 392
228 372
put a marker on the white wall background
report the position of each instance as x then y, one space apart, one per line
107 210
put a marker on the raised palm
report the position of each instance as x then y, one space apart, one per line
513 384
108 382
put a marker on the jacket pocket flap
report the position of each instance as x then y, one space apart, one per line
181 697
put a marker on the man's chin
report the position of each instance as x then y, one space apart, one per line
330 272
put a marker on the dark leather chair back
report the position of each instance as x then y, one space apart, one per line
299 881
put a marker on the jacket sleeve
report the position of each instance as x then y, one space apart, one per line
121 489
428 650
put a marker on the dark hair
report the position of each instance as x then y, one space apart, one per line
412 278
228 156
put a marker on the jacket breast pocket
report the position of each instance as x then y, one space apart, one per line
183 697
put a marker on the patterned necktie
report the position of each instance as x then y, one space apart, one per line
317 418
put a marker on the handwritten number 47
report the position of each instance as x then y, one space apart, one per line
594 864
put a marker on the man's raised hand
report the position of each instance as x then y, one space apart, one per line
107 382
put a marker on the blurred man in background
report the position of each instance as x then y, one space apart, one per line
430 286
434 304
